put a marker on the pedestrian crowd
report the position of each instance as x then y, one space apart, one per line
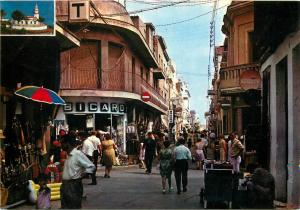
78 154
177 157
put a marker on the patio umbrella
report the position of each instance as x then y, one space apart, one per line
40 94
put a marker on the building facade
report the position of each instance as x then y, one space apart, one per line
104 80
215 113
27 124
279 55
239 83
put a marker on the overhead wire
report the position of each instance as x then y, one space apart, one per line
144 10
189 3
189 19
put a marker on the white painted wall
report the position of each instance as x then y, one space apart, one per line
29 28
286 48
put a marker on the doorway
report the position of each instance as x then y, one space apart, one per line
266 138
77 121
114 124
281 129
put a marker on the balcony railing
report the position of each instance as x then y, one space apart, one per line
115 79
230 76
159 73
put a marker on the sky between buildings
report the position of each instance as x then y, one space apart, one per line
187 42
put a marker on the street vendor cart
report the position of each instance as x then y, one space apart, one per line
218 183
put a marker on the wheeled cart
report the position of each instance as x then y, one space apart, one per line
218 185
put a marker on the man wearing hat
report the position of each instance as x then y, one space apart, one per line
75 166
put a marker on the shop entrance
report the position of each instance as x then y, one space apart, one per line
114 124
103 122
76 121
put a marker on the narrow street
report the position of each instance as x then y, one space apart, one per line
133 78
131 188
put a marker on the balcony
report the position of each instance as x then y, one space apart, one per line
140 85
116 79
230 77
159 73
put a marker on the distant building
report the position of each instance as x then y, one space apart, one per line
32 23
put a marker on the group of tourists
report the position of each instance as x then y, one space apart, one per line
176 158
219 149
169 159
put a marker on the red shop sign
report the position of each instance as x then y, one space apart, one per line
250 80
146 96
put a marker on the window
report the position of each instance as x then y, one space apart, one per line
250 47
115 52
148 76
133 73
155 84
142 73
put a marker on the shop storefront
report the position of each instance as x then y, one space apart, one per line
26 125
91 113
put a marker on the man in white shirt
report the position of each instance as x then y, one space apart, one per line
88 149
75 166
181 154
97 145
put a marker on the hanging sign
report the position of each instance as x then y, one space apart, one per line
79 11
146 96
211 92
250 79
171 116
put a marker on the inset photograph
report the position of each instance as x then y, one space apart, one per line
27 18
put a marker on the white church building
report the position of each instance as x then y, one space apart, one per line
31 24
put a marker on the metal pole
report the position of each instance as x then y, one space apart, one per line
111 124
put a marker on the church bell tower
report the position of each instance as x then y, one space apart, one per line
36 12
